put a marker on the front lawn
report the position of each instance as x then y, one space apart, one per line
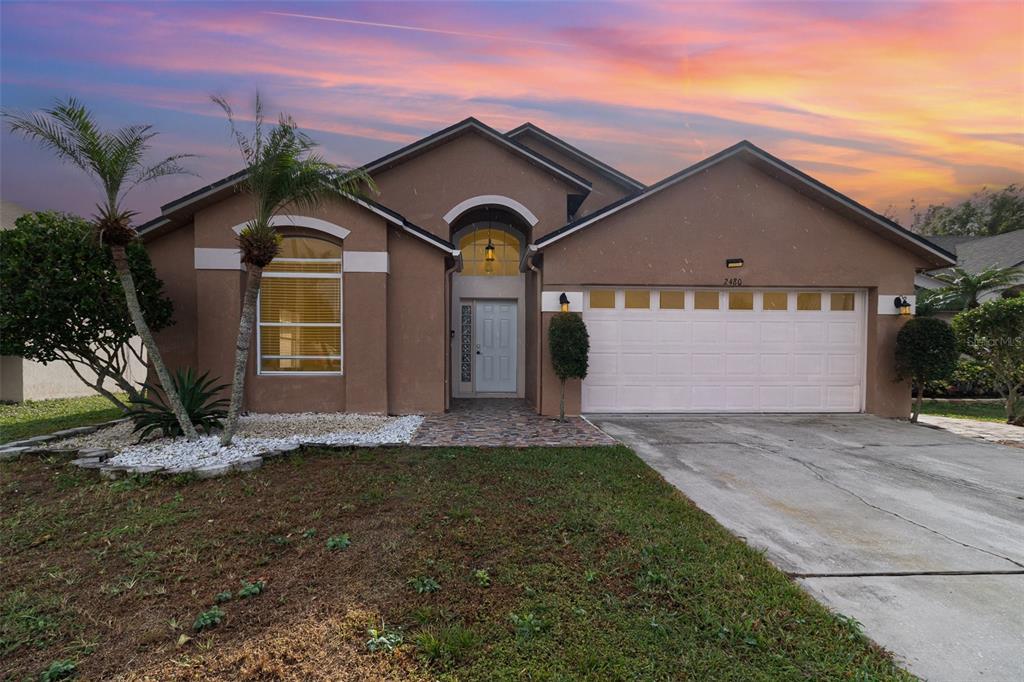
989 412
476 564
38 417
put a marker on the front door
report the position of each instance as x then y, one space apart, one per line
495 347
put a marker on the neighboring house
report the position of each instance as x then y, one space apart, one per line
22 379
738 284
976 254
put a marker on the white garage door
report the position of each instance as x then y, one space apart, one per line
735 350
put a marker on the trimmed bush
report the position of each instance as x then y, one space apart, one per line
569 344
925 351
993 334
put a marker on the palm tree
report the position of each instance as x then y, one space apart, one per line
116 160
963 289
283 170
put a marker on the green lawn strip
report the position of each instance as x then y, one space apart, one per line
620 577
989 412
596 569
39 417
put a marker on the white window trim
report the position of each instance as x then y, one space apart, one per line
302 221
491 200
339 325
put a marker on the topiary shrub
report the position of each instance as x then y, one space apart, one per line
925 351
993 334
569 344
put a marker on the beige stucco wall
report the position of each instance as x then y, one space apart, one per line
683 235
208 308
426 187
603 192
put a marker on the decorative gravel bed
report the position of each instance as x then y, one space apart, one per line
115 450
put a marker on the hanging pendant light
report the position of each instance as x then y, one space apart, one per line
489 253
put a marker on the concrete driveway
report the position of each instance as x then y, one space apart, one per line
915 532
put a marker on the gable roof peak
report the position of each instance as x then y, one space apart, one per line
605 169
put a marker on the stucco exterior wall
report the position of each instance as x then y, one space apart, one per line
173 259
426 187
604 191
418 330
683 235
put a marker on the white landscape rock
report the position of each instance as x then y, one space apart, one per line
258 434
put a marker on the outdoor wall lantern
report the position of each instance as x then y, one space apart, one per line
734 262
564 300
903 304
489 251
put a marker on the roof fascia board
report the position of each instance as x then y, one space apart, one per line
575 151
775 163
450 131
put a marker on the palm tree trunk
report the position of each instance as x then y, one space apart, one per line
135 311
245 325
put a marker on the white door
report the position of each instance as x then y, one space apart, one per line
732 350
495 346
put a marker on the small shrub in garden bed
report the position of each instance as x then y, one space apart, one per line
424 584
337 542
383 640
208 619
251 589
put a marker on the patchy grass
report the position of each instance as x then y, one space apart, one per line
596 569
38 417
989 412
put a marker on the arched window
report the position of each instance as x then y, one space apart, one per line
490 250
300 309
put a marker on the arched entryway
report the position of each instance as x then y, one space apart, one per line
489 302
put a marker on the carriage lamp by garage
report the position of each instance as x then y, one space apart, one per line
903 304
564 301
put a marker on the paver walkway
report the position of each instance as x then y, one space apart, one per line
500 422
994 432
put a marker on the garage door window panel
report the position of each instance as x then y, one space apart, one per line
775 300
672 300
602 299
741 300
808 300
638 299
842 301
706 300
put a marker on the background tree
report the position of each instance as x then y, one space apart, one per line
993 334
925 351
964 289
283 170
569 344
116 160
62 301
985 213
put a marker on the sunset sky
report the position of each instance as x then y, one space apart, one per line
883 101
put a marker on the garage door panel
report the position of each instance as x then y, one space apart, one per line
771 360
636 331
672 364
671 332
707 331
708 364
637 363
776 332
809 332
741 332
741 364
774 364
842 332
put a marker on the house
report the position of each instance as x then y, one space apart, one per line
22 379
976 254
737 284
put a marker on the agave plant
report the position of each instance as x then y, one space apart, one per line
198 397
